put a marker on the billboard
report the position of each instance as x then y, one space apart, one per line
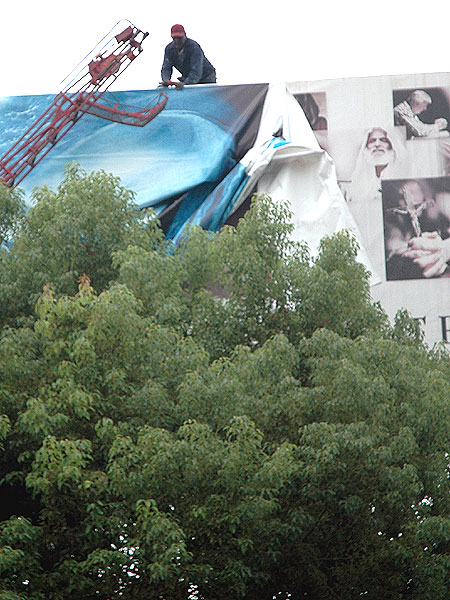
389 138
200 159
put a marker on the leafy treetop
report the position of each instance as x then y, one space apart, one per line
227 419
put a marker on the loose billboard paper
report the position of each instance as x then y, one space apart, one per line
201 158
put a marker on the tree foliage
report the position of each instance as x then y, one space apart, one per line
226 419
67 232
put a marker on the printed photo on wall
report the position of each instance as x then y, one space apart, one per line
424 112
364 158
314 106
416 214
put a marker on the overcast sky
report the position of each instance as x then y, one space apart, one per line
247 41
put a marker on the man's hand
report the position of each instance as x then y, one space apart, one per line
441 123
432 265
168 83
428 242
429 252
445 147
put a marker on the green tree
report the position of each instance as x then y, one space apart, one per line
66 233
12 212
227 419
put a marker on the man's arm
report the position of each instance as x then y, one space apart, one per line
404 116
196 65
167 66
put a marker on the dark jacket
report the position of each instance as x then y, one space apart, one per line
193 64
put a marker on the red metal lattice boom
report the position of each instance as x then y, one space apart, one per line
78 97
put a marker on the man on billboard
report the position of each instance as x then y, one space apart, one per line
407 113
377 155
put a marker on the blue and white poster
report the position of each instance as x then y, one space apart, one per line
200 159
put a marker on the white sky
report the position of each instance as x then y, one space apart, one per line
247 41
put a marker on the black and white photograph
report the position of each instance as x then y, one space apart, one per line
314 106
417 228
367 157
424 112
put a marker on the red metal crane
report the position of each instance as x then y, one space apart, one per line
81 95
